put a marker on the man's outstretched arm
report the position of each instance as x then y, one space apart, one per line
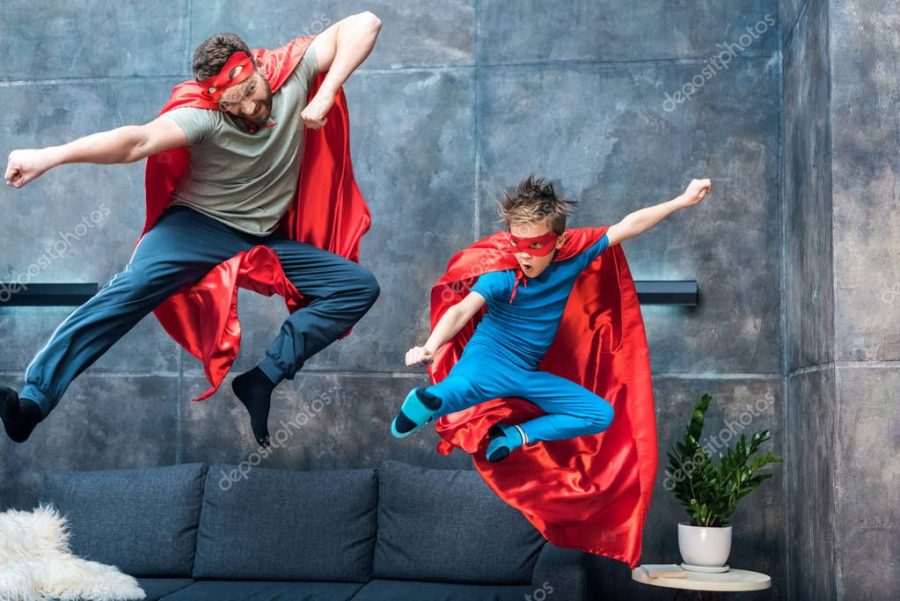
340 49
635 224
121 145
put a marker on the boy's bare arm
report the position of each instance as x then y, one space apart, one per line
121 145
447 326
638 222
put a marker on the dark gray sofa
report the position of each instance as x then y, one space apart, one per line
398 532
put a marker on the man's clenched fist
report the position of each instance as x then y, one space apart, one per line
24 166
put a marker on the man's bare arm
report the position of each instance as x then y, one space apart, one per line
120 145
638 222
340 49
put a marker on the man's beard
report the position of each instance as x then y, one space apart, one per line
261 118
267 106
266 112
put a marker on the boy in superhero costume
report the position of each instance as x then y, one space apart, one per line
540 370
239 194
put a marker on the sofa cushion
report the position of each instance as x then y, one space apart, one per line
446 524
144 521
224 590
273 524
157 588
393 590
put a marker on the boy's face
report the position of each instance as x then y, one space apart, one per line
532 264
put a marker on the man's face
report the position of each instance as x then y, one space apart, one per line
533 265
250 100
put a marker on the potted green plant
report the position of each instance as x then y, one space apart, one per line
710 492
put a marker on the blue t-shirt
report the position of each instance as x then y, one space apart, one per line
528 325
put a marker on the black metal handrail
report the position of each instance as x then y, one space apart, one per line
650 292
45 295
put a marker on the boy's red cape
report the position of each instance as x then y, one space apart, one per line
592 492
328 212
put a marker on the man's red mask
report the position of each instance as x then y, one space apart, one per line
545 244
215 86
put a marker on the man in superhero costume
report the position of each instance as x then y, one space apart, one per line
239 194
539 361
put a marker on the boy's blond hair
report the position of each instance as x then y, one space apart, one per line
535 199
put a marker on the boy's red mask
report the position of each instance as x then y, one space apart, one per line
546 244
215 86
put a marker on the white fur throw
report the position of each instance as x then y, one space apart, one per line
36 563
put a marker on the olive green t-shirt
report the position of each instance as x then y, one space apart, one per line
246 180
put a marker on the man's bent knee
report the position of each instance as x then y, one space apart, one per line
365 287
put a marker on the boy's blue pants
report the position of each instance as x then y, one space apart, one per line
180 248
487 371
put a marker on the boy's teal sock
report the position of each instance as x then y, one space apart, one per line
418 402
503 441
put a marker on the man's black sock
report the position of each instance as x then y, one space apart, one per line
254 390
19 416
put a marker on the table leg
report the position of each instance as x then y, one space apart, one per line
686 595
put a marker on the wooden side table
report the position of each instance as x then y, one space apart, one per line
707 585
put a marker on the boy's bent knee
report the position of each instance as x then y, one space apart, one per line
603 416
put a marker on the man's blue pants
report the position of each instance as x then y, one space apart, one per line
487 371
180 248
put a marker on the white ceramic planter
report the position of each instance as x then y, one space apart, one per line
704 546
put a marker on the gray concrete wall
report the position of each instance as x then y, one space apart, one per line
459 100
842 271
865 109
809 302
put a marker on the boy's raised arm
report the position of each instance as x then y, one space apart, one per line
448 325
638 222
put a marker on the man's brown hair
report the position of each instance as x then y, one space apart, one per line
211 55
533 200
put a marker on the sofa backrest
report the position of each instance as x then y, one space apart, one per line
396 522
271 524
144 521
447 524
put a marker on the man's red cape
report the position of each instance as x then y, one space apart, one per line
328 211
592 492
